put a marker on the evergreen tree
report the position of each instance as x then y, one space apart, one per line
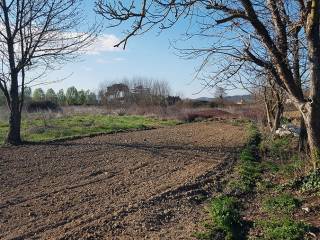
51 96
72 96
38 95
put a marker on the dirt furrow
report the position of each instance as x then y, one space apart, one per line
136 185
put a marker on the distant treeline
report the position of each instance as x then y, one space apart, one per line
71 97
125 93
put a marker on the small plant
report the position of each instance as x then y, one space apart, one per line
284 203
282 229
226 219
311 183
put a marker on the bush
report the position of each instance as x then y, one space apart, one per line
43 106
206 114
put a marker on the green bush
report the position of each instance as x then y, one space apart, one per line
284 203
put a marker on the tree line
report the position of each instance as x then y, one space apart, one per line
62 98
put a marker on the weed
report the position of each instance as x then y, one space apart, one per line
276 148
311 183
282 229
283 203
226 219
248 169
238 122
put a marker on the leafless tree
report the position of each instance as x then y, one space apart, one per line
35 35
253 31
274 98
139 90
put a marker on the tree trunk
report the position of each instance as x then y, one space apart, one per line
269 121
277 118
14 134
303 146
312 122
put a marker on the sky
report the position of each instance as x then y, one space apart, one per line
150 56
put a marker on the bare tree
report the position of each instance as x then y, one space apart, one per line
35 35
139 90
274 98
253 31
220 93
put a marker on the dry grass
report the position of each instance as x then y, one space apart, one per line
182 112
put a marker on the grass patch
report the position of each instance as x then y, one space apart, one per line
280 164
226 220
249 168
282 229
283 203
40 129
276 148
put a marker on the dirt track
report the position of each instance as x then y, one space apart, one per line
138 185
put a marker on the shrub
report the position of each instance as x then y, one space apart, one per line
43 106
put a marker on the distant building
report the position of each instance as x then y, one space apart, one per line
117 92
241 102
140 90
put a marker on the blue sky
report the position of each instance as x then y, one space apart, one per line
149 55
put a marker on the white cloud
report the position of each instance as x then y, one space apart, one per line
119 59
104 43
111 60
102 61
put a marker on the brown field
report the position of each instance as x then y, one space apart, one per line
138 185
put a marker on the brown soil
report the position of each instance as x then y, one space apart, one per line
139 185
